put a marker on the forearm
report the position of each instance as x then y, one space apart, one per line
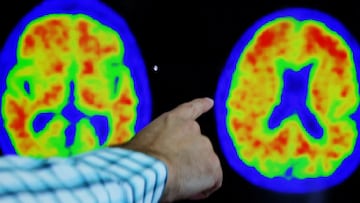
107 175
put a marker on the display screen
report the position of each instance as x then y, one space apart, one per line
80 75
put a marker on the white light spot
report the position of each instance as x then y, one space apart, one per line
155 68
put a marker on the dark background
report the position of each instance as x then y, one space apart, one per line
190 41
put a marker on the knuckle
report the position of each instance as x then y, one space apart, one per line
192 107
217 170
217 164
169 116
189 105
193 126
207 143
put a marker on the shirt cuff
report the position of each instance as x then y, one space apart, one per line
143 175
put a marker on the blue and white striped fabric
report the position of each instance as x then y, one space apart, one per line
105 175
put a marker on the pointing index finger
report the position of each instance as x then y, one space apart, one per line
194 108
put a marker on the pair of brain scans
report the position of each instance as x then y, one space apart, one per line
286 104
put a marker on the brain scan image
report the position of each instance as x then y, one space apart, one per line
287 102
72 80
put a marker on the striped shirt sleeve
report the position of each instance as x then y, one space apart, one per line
104 175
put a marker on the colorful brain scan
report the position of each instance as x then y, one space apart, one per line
287 102
72 80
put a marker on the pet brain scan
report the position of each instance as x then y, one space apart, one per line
287 102
72 80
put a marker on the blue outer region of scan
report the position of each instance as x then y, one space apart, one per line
281 184
104 14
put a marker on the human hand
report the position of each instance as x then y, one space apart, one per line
194 170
